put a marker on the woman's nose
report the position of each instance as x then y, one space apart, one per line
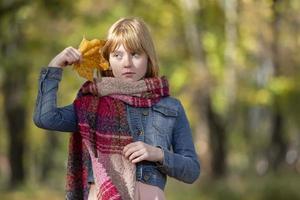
127 61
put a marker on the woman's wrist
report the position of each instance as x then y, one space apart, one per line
54 63
160 155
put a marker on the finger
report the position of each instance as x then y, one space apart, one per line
78 54
131 150
68 50
136 154
139 159
72 52
69 60
128 146
74 55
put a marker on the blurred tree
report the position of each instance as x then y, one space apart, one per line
14 86
278 146
9 7
215 118
48 157
15 67
233 64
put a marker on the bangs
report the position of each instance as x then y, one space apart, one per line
126 37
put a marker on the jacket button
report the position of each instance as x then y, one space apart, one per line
140 132
146 177
145 112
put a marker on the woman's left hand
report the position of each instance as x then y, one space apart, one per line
139 151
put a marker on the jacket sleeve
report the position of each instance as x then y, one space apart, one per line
182 163
46 113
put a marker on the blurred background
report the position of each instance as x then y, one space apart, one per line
234 64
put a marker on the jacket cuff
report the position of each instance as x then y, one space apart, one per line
167 161
51 73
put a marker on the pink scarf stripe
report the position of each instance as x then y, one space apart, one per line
106 148
105 138
109 191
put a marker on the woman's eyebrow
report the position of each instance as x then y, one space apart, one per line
117 52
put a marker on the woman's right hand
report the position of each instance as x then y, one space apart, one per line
68 56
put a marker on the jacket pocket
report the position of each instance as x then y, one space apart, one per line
163 122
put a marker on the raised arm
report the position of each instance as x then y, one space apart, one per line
46 113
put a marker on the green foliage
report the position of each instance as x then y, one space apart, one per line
41 29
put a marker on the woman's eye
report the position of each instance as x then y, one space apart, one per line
117 55
135 54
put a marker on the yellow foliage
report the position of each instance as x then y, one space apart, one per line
91 58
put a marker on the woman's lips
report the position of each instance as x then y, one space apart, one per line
128 74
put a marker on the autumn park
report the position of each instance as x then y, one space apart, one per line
233 64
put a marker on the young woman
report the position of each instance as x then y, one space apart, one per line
128 133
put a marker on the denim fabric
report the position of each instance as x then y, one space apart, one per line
163 125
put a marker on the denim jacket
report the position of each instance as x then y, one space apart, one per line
163 125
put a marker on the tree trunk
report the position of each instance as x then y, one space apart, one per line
217 142
216 127
48 158
278 146
230 9
190 10
14 88
15 112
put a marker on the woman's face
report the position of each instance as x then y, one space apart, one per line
126 65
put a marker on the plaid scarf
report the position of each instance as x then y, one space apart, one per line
103 133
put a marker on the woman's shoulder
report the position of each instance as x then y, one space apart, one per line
169 105
169 101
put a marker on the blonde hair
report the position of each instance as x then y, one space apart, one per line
135 36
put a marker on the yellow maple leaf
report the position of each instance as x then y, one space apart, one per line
91 58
